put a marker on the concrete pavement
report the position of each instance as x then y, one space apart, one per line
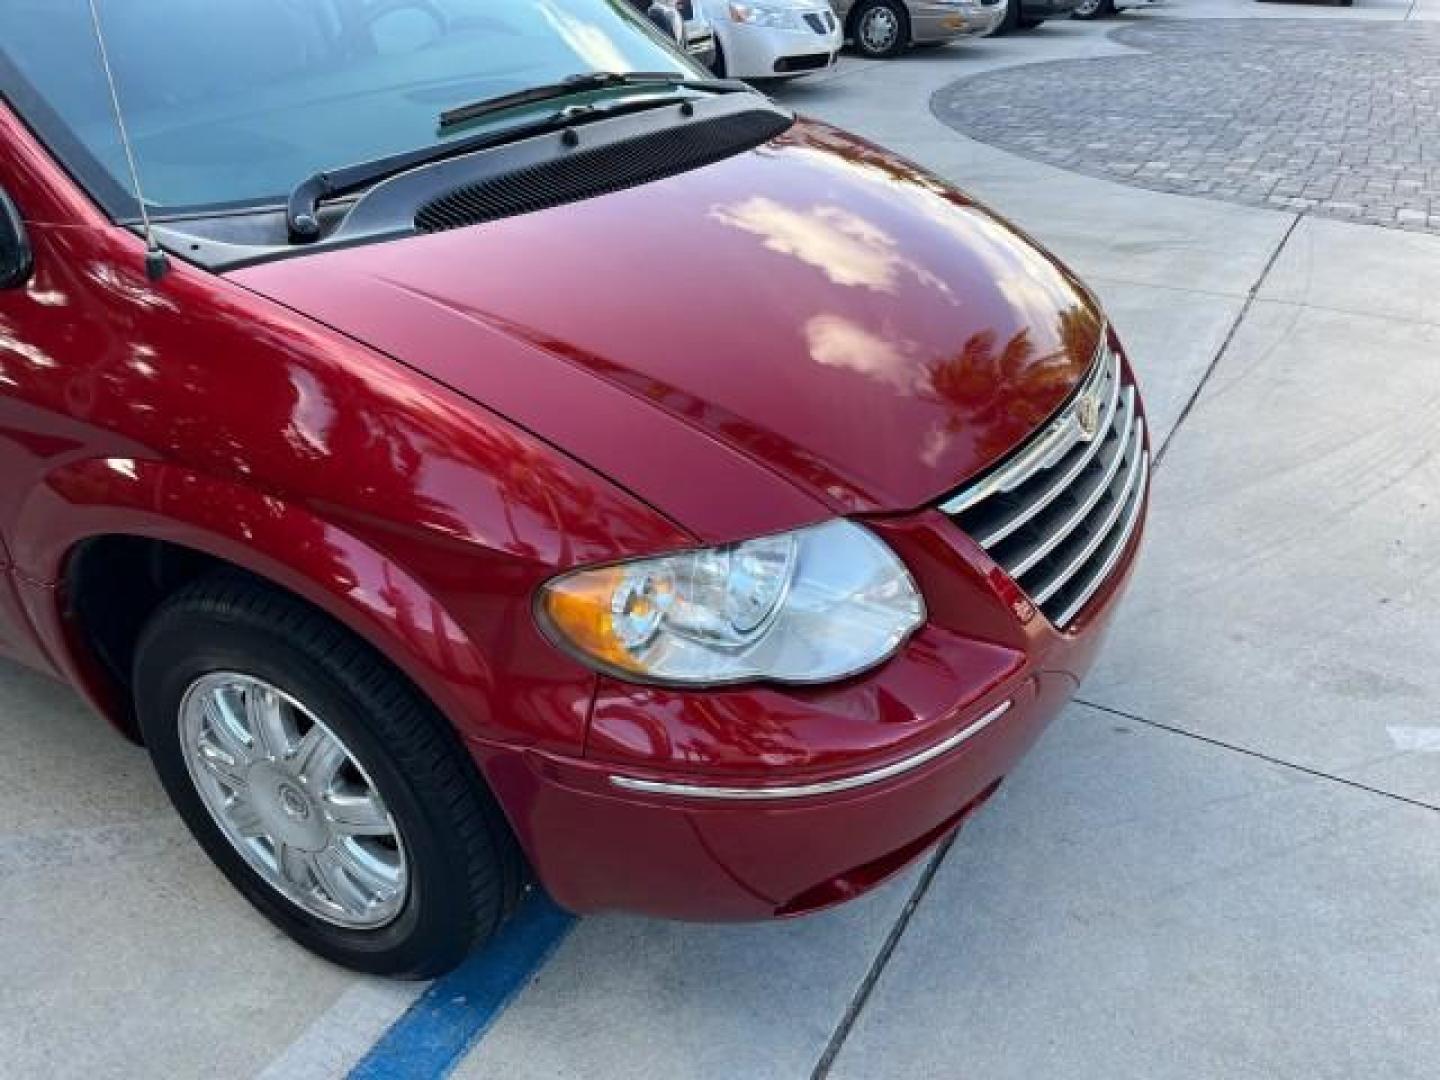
1142 904
1223 865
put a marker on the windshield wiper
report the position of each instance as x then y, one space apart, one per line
302 208
579 84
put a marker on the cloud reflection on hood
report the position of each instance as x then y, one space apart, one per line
838 342
844 246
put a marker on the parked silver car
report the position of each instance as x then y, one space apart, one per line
885 28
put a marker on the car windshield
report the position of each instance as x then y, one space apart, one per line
231 102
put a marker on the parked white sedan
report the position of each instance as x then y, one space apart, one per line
773 39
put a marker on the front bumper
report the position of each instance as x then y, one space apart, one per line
765 802
1047 9
596 849
944 22
760 52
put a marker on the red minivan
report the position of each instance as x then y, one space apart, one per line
378 470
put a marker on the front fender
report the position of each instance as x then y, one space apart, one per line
463 633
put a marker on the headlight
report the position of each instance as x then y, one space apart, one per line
772 15
810 606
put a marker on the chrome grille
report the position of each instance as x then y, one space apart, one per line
1058 515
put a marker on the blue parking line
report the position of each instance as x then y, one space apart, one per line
456 1010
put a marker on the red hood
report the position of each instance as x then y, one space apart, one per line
829 311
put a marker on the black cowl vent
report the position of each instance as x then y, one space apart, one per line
616 166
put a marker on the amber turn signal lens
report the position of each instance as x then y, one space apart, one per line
580 608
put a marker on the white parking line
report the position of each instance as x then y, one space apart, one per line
345 1032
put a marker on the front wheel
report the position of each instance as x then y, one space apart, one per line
1094 9
882 29
320 782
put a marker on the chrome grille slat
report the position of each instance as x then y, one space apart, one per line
1118 542
1062 531
1059 515
1049 495
1098 536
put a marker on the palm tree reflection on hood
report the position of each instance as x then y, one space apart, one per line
1002 392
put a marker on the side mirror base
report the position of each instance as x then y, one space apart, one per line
668 21
17 260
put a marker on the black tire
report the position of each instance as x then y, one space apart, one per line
1103 9
869 9
1011 22
465 871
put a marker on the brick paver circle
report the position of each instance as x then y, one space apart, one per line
1336 118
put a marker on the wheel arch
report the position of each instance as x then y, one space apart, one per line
106 541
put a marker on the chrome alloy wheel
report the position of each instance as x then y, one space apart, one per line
879 30
293 800
1087 8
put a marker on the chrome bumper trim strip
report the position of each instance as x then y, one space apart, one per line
825 787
